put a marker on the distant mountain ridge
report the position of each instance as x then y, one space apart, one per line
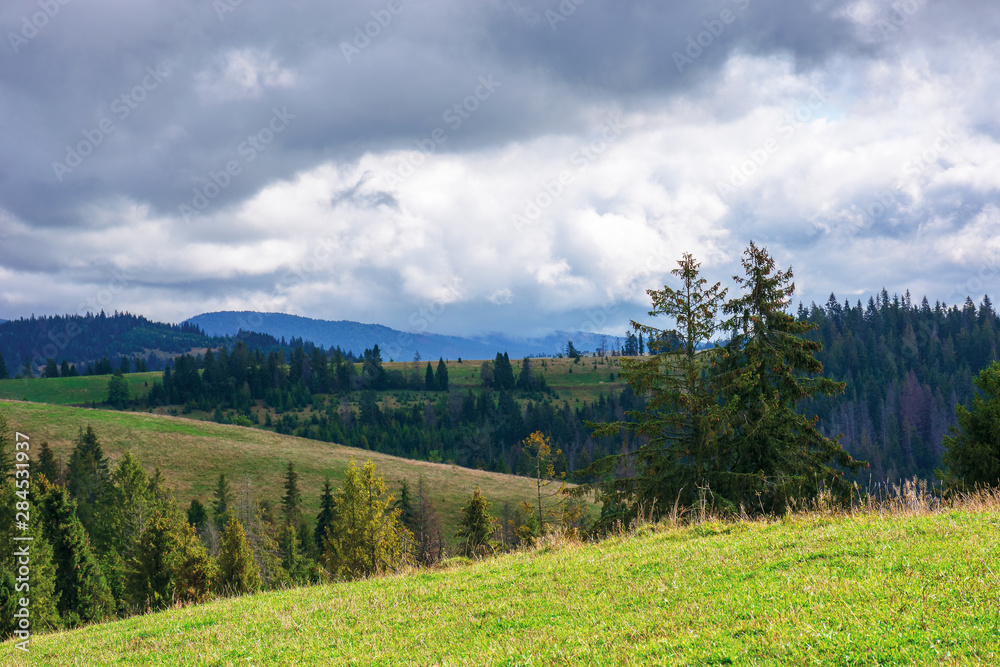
394 344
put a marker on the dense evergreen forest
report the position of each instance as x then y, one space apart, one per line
907 365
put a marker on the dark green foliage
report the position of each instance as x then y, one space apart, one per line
407 515
51 369
972 450
4 373
118 391
83 593
679 451
327 515
476 527
88 480
441 378
47 463
223 499
774 455
429 382
197 516
291 502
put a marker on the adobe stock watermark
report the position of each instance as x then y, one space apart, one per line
902 12
423 317
363 35
223 7
566 9
553 188
121 107
914 167
714 27
246 152
455 117
32 24
21 566
743 172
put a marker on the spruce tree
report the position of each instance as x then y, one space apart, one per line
771 455
88 480
197 516
326 517
82 591
430 384
238 572
972 449
119 393
223 499
677 429
6 450
51 369
476 527
291 502
441 378
4 373
404 504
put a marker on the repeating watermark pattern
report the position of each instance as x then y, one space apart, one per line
699 42
901 13
565 9
914 167
422 318
455 116
33 24
121 108
743 173
364 34
246 152
223 7
552 189
22 543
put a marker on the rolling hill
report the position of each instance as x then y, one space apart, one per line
191 454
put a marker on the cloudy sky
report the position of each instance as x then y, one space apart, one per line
500 165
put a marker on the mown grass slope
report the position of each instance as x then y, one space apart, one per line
191 454
857 590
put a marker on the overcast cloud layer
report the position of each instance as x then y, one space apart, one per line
505 165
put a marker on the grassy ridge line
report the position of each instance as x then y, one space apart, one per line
192 453
864 589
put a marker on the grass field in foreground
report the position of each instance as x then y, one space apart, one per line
856 590
192 454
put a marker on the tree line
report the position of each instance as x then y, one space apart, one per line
111 541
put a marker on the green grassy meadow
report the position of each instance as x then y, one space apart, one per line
81 390
191 454
865 589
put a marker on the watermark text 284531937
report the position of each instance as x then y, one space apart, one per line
22 543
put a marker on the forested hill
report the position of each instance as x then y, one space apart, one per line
82 340
906 366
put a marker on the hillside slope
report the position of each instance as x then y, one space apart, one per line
867 589
192 454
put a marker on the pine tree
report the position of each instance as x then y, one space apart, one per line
430 384
51 369
197 516
119 394
972 450
48 464
238 572
327 515
677 428
771 455
476 527
404 504
4 373
441 378
83 593
88 480
291 502
223 499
